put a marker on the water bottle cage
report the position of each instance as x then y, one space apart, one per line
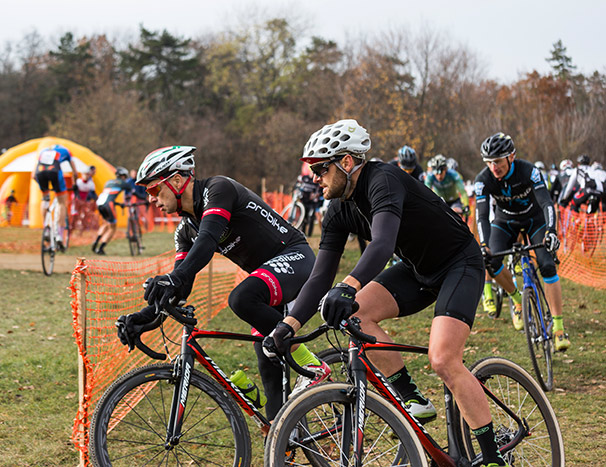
256 401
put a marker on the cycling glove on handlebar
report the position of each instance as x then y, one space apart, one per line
273 345
127 325
337 304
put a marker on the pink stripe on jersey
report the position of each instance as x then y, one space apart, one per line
254 332
275 290
180 256
219 212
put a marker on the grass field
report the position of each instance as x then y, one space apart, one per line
38 373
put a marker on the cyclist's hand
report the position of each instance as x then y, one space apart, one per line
466 210
337 304
551 241
75 189
167 288
486 254
273 345
126 325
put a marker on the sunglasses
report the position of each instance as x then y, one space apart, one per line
321 168
154 189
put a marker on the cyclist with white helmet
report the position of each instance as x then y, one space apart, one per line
407 161
105 206
522 203
442 263
448 185
221 215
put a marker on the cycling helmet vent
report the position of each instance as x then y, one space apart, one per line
497 146
165 162
342 137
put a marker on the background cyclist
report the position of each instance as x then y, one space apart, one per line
48 171
583 186
407 161
441 263
221 215
105 205
522 202
448 185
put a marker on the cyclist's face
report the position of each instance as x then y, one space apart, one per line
159 194
332 181
441 174
500 167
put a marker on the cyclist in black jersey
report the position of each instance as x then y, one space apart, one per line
442 263
221 215
522 202
407 161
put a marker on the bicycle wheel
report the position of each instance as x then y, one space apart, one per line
134 237
540 345
294 214
66 233
312 424
48 251
129 424
514 386
498 293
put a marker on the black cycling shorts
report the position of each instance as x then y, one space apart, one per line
456 288
53 178
258 299
107 213
504 232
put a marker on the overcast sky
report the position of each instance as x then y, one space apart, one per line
509 37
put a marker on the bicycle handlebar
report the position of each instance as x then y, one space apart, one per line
183 315
350 326
520 248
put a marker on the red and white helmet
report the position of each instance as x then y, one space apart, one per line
164 162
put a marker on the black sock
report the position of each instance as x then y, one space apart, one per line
488 444
403 382
102 247
96 242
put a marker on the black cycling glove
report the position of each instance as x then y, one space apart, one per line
167 288
337 304
126 325
551 241
273 345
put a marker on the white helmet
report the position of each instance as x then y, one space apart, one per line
566 164
164 162
342 137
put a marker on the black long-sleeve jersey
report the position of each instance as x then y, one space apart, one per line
234 221
396 213
521 194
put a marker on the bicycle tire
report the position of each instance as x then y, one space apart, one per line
134 237
389 438
136 407
498 293
337 361
66 233
47 252
540 347
294 214
515 386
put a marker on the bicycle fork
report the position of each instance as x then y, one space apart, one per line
182 373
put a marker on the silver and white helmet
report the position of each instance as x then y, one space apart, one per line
164 162
342 137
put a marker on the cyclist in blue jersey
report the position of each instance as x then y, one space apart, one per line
522 202
105 205
448 185
48 171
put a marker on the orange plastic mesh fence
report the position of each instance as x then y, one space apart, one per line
583 251
102 291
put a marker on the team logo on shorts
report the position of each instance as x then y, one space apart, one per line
281 267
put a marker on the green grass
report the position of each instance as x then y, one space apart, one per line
38 372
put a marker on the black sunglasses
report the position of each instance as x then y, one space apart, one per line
321 168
